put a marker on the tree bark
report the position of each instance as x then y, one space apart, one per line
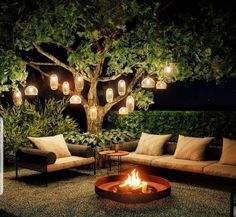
95 126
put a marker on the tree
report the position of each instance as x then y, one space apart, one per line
106 40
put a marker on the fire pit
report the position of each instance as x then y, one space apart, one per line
132 189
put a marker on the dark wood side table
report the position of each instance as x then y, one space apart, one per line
108 154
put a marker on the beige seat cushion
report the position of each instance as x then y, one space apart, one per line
192 148
54 144
169 162
228 155
134 158
218 169
69 162
151 144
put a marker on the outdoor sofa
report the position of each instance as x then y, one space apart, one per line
210 165
45 161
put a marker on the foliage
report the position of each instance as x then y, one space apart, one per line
33 120
12 71
193 123
142 98
196 43
101 140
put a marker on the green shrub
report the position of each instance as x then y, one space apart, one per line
33 120
193 123
99 140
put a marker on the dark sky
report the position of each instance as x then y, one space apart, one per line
198 95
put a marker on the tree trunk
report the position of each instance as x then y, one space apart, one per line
95 126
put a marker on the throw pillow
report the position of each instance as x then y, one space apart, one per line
151 144
192 148
54 144
228 155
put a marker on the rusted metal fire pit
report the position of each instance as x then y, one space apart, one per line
109 187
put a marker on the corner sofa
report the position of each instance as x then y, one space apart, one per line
209 166
47 161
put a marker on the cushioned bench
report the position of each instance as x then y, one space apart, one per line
45 161
209 166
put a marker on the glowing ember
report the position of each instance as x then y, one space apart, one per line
134 182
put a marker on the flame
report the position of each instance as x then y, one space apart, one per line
134 182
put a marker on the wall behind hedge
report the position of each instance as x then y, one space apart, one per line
190 123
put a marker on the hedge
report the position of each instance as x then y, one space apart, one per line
189 123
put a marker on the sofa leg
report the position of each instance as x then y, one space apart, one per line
45 174
94 168
16 171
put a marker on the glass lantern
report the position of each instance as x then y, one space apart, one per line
31 91
79 83
93 112
17 98
123 111
161 85
121 87
109 95
130 103
66 88
148 82
75 99
54 82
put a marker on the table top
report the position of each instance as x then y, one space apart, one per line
114 153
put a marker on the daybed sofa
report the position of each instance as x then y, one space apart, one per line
46 161
211 164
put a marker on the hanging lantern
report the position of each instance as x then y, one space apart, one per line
123 111
168 70
31 91
75 99
161 85
109 95
148 83
17 98
54 82
121 87
66 88
93 112
79 83
130 103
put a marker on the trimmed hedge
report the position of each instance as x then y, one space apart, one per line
189 123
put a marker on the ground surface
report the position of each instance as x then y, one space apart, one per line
71 193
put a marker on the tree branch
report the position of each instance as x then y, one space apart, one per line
61 45
57 61
109 78
43 64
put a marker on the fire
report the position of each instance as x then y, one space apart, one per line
134 182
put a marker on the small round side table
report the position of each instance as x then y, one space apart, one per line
108 154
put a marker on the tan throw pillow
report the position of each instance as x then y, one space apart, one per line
192 148
228 155
151 144
54 144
